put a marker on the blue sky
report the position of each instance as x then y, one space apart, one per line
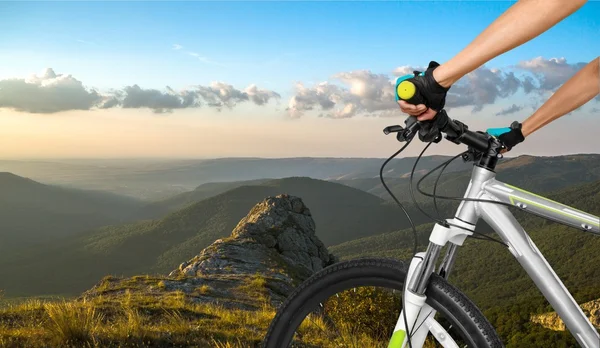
272 44
212 53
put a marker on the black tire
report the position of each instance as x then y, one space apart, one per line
441 296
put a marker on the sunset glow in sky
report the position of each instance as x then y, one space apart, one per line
266 79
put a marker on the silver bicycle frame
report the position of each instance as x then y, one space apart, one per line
484 186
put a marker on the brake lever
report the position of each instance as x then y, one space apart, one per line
404 133
392 129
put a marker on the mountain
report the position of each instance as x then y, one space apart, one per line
155 179
341 214
275 242
32 213
532 173
204 191
228 294
223 297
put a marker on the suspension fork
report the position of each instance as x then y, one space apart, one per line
414 307
422 266
448 261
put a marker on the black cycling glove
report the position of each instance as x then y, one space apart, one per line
509 136
431 130
429 89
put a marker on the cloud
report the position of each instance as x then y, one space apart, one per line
177 47
220 94
135 98
217 95
260 96
510 110
51 93
204 59
549 73
406 70
47 93
481 87
363 92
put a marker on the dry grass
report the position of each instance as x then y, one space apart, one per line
160 319
72 323
130 320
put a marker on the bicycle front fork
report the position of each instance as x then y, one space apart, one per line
417 315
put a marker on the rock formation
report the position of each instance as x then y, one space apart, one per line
269 252
551 320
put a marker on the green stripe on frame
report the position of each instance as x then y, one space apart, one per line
544 198
587 221
397 339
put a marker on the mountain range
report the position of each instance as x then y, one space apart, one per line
125 236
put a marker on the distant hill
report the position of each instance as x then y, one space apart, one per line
154 179
341 214
532 173
33 213
536 174
204 191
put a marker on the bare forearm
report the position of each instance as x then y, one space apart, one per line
578 90
522 22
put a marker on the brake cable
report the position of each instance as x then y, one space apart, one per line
439 219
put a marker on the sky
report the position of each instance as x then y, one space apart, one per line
266 79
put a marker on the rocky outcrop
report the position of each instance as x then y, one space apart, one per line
551 320
269 252
279 229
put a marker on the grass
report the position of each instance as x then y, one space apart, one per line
72 323
143 320
155 318
130 320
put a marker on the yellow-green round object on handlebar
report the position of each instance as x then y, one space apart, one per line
406 90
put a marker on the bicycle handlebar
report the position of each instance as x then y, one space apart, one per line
480 144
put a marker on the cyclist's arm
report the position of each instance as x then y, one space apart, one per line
578 90
522 22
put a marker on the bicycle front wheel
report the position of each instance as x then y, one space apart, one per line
326 309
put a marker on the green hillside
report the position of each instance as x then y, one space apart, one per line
204 191
33 213
153 179
535 174
490 275
341 214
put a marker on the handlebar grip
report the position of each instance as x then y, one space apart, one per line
407 91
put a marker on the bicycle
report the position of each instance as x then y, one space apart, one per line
426 293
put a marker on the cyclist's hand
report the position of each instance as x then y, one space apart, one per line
509 136
430 91
421 111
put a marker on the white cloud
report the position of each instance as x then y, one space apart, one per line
51 93
47 93
177 47
549 73
367 93
510 110
481 87
406 70
364 92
